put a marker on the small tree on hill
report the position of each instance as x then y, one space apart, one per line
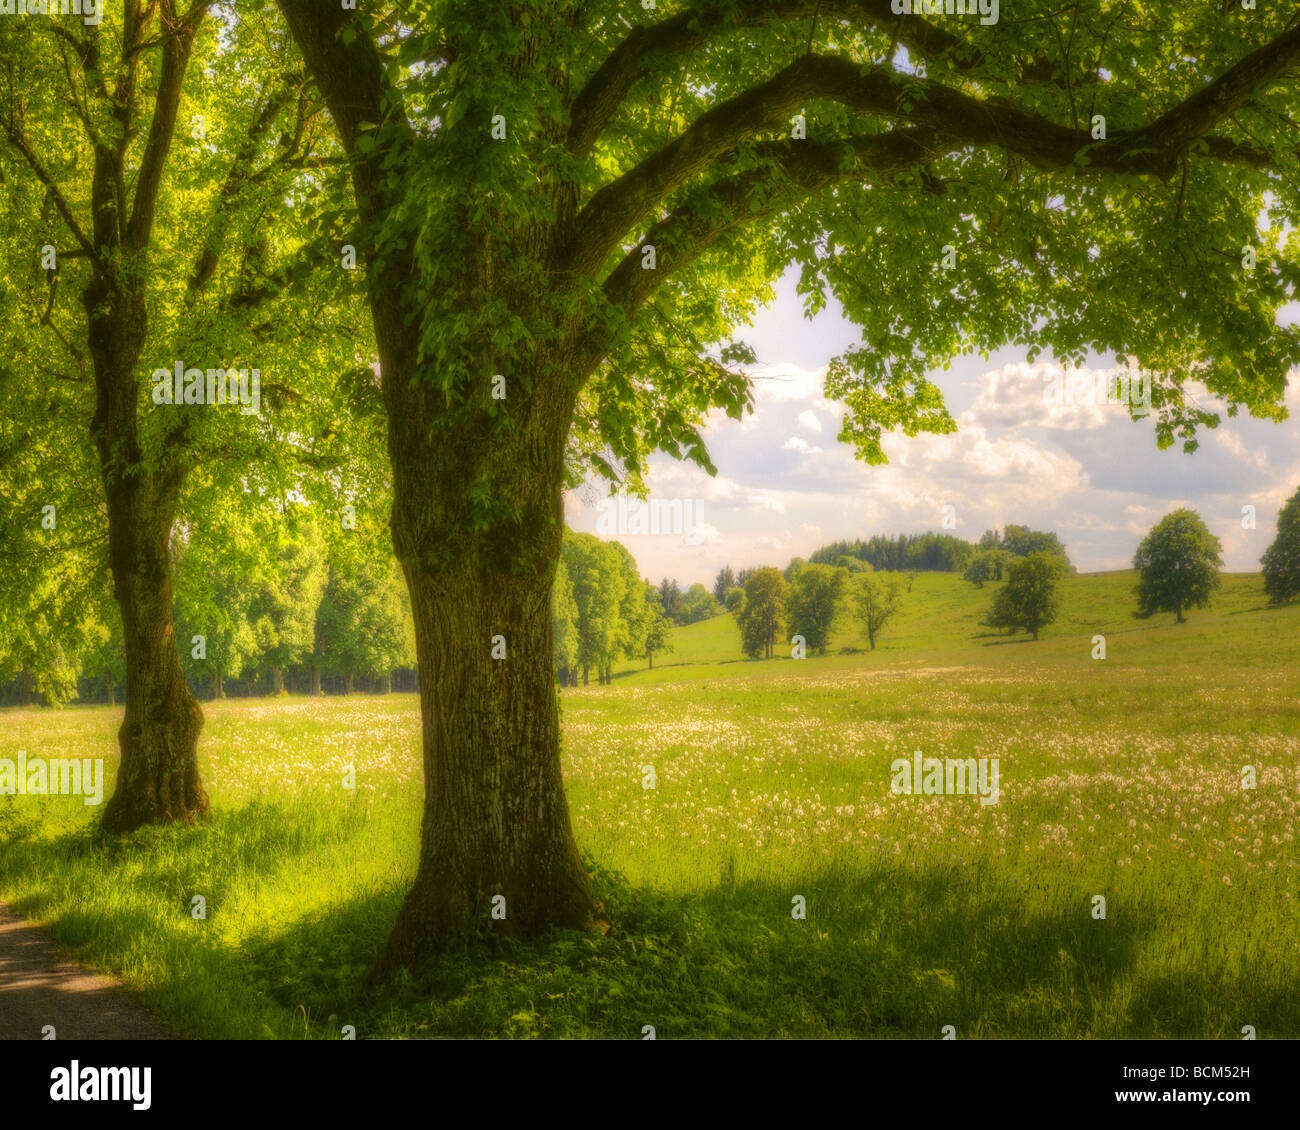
658 636
1029 599
876 597
1281 560
1179 564
762 615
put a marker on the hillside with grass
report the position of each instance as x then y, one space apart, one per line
941 616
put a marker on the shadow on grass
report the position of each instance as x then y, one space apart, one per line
884 951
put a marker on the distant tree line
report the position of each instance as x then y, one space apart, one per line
267 601
927 553
604 611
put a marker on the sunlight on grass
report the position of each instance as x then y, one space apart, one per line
1119 778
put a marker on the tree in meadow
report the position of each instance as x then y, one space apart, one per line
876 598
1178 564
161 168
659 629
1030 599
812 602
762 616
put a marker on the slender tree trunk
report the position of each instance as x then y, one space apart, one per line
315 681
219 684
348 683
386 683
111 687
158 780
277 680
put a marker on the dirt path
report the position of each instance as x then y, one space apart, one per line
40 984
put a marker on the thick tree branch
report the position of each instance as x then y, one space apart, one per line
351 76
886 94
647 48
238 175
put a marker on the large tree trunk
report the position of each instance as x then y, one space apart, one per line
158 779
496 821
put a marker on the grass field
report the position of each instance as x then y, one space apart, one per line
1118 777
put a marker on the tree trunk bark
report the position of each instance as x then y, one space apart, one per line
111 687
315 681
386 683
158 780
496 820
277 680
219 684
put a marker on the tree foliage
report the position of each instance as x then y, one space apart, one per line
876 598
1030 599
762 616
1178 563
812 603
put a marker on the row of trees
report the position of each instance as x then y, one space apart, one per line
695 604
809 601
938 553
602 610
927 552
264 597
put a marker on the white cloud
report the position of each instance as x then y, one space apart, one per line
796 443
808 419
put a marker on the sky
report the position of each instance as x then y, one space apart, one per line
1071 463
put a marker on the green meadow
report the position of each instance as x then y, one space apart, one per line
1120 778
